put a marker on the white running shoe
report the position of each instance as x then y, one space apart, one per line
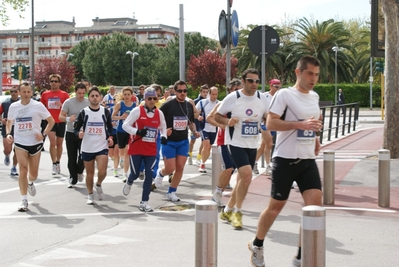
81 177
268 171
124 178
198 162
190 161
145 207
7 160
255 170
14 171
141 175
158 181
296 262
58 168
202 168
32 189
100 192
172 197
90 199
126 189
24 205
54 170
217 198
256 255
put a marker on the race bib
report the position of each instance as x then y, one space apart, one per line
24 126
249 129
95 128
179 123
54 103
305 137
151 135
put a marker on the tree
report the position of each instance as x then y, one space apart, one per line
79 53
209 68
390 9
18 5
52 65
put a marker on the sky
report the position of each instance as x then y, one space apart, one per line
199 15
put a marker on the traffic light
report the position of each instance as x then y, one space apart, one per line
14 72
27 72
379 66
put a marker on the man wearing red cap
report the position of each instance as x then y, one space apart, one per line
267 139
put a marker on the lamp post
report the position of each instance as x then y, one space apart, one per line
335 49
132 54
68 55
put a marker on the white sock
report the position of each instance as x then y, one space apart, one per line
24 197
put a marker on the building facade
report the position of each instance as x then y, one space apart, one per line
55 38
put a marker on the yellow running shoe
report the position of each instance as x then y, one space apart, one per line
236 220
226 216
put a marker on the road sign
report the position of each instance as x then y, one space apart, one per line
235 30
222 29
255 40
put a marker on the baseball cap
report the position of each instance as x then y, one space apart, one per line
274 81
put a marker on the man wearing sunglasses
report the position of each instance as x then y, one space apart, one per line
267 139
144 124
7 146
53 100
248 108
179 116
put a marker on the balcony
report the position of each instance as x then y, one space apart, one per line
66 43
4 70
21 45
41 56
43 44
5 45
22 57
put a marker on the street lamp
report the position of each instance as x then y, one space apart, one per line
132 54
335 49
65 54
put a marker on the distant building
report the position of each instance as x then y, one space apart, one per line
55 37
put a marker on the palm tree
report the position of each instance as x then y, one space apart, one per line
318 39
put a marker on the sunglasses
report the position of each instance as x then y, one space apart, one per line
277 86
152 98
250 80
182 91
13 91
54 81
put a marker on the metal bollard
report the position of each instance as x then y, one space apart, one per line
313 236
384 160
206 233
216 167
329 178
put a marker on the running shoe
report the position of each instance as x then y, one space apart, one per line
190 161
24 205
236 220
100 192
124 178
226 216
14 171
116 173
158 181
58 168
145 207
7 160
54 170
296 262
268 171
90 199
255 169
126 189
202 168
141 175
81 177
198 162
217 198
32 189
172 197
256 255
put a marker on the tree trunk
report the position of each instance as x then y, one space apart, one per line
390 10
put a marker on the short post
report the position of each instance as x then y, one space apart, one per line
216 167
313 236
384 160
206 232
329 178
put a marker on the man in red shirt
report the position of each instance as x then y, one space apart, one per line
53 100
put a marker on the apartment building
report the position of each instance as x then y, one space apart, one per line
55 38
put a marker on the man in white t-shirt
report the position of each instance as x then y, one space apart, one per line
208 134
26 115
295 151
248 109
